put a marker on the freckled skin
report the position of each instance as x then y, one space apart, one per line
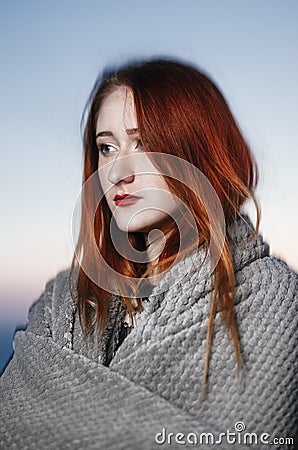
119 175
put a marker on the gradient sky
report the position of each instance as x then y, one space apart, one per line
51 53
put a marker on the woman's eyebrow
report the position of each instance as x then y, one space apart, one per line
131 131
103 133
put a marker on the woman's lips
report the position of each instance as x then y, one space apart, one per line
126 200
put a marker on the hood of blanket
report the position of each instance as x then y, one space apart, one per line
182 296
194 271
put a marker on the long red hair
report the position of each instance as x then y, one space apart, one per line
181 112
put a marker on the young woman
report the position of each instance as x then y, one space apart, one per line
174 325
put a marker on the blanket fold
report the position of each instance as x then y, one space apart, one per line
57 392
71 402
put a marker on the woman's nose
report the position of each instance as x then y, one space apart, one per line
121 170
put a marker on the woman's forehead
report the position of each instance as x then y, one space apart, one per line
117 109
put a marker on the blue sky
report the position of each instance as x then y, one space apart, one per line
51 53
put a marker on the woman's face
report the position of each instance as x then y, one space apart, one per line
121 161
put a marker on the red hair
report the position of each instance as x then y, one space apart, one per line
181 112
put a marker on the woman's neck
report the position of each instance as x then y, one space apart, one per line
155 242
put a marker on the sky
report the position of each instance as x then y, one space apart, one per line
51 53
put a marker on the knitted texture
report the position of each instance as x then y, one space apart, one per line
57 393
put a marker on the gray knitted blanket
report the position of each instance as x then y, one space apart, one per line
57 392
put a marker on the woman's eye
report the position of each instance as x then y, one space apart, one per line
106 149
139 144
